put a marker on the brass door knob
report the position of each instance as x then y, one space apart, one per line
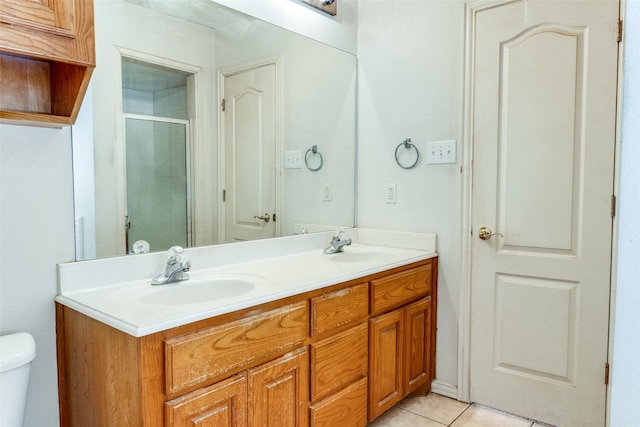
266 217
485 233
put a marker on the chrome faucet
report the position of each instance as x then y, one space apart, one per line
176 269
337 243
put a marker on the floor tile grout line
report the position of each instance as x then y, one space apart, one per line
460 414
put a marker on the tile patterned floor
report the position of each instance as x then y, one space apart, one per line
435 410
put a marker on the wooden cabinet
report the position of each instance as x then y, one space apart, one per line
279 392
222 404
47 55
338 356
401 358
385 362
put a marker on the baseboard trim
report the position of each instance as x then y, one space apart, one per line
444 389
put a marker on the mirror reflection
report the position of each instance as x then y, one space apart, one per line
208 127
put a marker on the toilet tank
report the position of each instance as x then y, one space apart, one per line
16 353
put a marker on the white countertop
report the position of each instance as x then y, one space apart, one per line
290 268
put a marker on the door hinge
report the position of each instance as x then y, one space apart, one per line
613 205
619 31
224 195
223 104
606 373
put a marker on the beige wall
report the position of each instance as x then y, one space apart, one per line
36 233
410 73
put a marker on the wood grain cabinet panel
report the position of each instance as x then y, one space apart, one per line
386 359
401 288
338 308
279 392
319 358
347 408
338 361
418 352
47 56
223 404
213 353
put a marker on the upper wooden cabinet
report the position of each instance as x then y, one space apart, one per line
47 55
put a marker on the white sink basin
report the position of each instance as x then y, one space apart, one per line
361 255
200 289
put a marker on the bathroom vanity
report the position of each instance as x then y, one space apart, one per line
338 342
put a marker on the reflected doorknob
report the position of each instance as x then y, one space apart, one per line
266 217
485 233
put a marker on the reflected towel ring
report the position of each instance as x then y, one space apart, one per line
314 151
408 145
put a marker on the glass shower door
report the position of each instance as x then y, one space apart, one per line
157 175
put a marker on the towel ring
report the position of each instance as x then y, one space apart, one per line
314 151
408 145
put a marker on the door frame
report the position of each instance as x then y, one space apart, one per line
223 73
472 8
194 102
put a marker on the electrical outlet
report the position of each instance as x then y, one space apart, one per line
293 159
326 192
441 152
391 191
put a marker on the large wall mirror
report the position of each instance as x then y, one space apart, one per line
210 126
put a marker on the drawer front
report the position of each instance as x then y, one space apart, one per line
219 351
401 288
347 408
338 361
339 308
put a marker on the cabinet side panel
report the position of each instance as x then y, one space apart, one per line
101 373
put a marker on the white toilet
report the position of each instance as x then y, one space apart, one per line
16 353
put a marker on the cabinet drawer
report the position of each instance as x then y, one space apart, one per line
339 308
401 288
338 360
347 408
213 353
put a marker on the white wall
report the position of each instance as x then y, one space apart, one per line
410 73
625 381
36 233
338 31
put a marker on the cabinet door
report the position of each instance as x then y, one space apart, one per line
417 365
279 392
385 361
222 404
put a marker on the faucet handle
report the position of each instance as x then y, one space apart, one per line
175 254
339 234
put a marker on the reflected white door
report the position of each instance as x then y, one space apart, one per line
250 154
544 112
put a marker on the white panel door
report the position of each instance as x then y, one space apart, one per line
250 154
544 113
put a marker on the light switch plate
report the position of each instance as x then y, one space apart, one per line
441 152
293 159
